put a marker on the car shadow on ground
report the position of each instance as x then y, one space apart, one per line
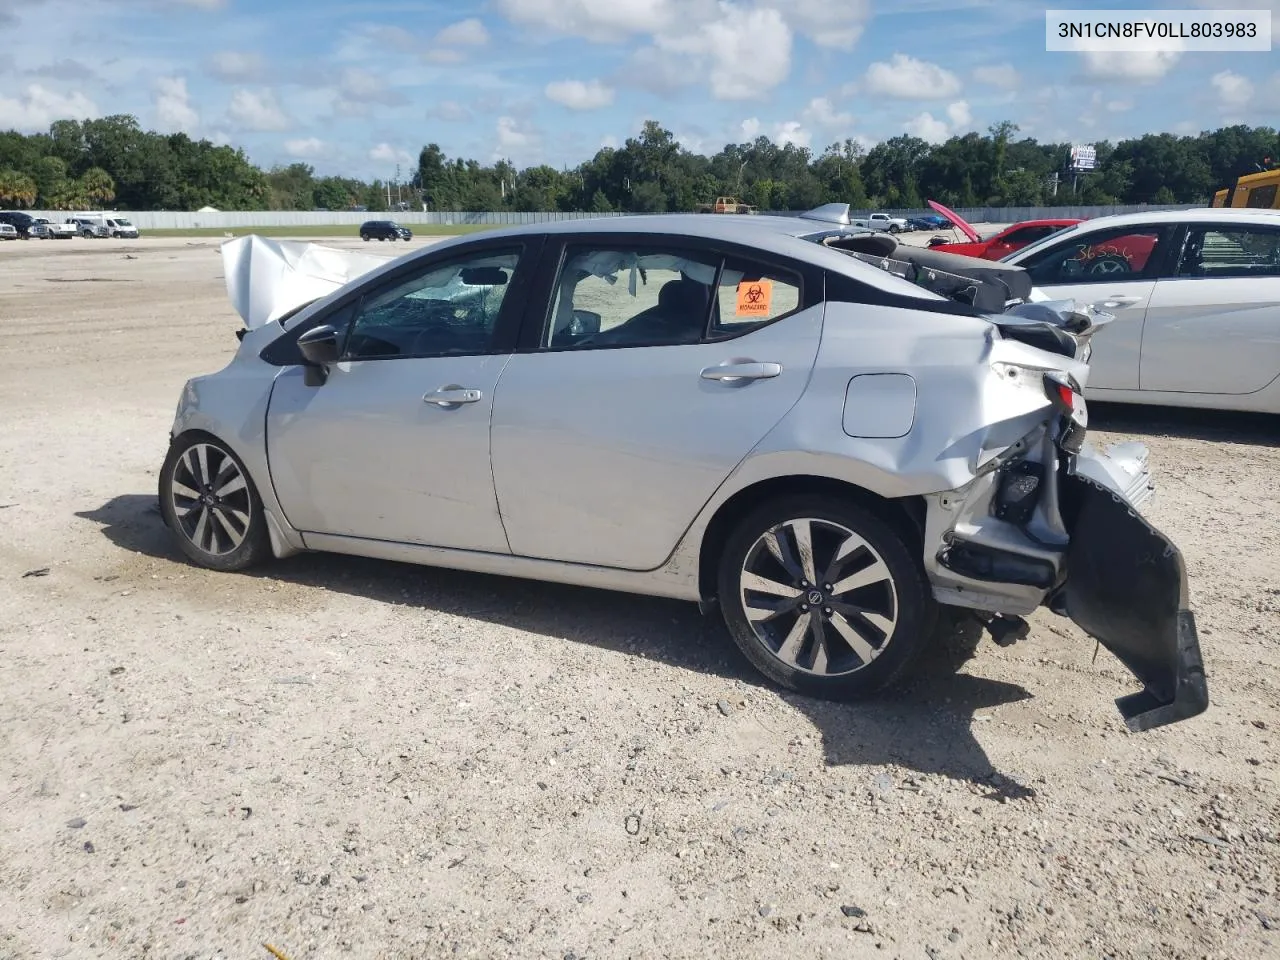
1224 426
924 723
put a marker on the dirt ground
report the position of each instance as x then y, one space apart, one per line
336 757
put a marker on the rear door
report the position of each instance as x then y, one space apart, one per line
650 369
1115 270
1213 325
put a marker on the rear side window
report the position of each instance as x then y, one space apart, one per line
1221 251
750 295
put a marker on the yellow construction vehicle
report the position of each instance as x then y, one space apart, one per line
725 205
1258 190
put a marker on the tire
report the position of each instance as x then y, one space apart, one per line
894 228
203 542
364 237
900 598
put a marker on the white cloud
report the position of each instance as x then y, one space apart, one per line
1119 106
233 66
173 105
926 127
821 113
791 131
37 107
907 78
598 20
386 153
829 23
1144 66
958 119
1002 75
609 142
577 95
1233 89
959 115
306 148
454 42
749 53
515 136
258 110
788 131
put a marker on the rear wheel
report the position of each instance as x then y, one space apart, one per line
210 503
824 598
364 237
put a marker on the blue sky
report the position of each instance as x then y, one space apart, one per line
355 86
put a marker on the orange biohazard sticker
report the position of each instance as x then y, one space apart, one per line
754 297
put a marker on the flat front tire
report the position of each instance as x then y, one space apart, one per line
824 598
209 502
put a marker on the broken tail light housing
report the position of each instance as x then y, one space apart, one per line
1068 399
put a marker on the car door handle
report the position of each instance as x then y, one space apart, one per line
1120 301
452 395
738 371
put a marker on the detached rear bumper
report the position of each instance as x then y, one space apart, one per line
1126 586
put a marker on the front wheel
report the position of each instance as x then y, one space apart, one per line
824 598
210 503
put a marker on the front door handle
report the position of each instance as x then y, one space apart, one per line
741 370
452 395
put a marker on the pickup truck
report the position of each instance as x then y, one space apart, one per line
881 221
46 229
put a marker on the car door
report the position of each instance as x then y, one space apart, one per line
1114 269
394 445
1213 325
651 370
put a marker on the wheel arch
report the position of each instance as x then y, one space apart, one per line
905 514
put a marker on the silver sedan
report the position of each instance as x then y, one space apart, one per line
761 415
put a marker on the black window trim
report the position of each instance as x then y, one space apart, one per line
538 312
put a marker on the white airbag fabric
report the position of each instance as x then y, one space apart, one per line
267 278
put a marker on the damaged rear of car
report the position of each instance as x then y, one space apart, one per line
1045 518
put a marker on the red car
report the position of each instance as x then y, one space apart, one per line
1001 244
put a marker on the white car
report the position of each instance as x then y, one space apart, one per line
1196 297
8 231
881 221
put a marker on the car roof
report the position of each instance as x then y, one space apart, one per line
1192 215
1047 222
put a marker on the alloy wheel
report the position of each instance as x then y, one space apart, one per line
210 499
819 597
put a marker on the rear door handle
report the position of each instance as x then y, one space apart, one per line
452 395
1119 301
739 371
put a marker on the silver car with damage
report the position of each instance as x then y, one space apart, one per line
761 415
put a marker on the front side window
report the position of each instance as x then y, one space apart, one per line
1112 255
1263 198
631 297
1245 251
449 309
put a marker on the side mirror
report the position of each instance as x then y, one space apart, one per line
319 349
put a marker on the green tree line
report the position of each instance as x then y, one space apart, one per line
114 161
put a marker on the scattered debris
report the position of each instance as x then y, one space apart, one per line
1178 780
77 824
632 824
723 707
116 671
126 807
88 846
42 572
274 952
849 910
1212 841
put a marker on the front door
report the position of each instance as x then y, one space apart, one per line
1214 325
653 373
395 444
1114 270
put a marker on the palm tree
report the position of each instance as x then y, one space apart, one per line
16 189
97 186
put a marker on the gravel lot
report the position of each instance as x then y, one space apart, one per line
344 758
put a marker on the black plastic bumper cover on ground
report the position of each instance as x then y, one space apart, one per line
1127 587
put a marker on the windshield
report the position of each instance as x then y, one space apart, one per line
122 222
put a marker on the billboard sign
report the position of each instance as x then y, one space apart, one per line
1084 157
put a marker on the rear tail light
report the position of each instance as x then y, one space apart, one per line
1062 393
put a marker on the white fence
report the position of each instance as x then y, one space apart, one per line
182 220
